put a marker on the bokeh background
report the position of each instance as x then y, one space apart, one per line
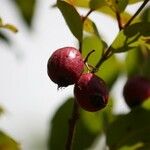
28 96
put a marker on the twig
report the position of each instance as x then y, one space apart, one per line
108 52
104 57
75 112
88 13
136 13
72 124
119 20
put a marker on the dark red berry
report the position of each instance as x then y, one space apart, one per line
136 90
65 66
91 92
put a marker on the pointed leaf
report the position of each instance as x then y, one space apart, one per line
10 27
79 3
95 4
72 18
7 143
121 5
27 9
129 38
90 27
90 43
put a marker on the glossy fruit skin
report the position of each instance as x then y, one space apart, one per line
136 90
91 92
65 66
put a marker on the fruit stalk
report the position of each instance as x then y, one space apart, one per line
118 16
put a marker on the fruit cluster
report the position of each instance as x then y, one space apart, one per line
65 67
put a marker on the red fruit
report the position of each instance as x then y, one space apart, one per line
136 90
65 66
91 92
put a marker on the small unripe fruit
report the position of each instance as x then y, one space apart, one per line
91 92
136 90
65 66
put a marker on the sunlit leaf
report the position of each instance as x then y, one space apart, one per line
26 8
134 1
105 9
137 146
72 18
7 143
90 27
79 3
10 27
129 38
146 104
128 130
121 5
95 4
90 43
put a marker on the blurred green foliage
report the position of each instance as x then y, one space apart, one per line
26 8
7 143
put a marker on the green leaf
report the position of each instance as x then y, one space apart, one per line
1 110
146 14
85 134
134 1
133 62
121 5
90 43
90 27
7 143
128 130
110 70
27 9
72 18
10 27
129 38
95 4
137 146
79 3
138 62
